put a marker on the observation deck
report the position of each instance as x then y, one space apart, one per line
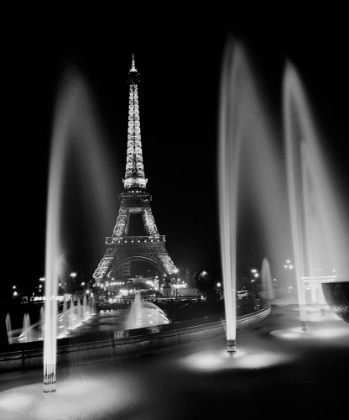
134 239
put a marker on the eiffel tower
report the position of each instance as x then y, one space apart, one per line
121 247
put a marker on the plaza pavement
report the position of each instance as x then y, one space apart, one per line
279 371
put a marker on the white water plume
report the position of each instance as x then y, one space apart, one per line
267 281
144 314
76 143
249 170
320 237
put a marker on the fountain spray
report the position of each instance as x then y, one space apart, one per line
78 135
228 164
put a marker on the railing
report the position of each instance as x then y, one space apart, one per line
134 239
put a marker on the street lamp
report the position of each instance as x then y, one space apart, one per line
219 289
289 266
72 289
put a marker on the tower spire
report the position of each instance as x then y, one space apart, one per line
133 66
134 174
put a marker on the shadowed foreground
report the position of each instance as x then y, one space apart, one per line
278 369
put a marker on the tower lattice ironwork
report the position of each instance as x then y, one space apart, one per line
121 247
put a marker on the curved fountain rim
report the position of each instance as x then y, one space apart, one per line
334 281
27 358
146 331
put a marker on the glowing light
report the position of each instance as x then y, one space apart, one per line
243 359
331 332
15 401
89 399
321 333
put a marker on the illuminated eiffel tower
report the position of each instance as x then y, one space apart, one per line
123 248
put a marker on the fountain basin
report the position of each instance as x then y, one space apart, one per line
126 343
337 297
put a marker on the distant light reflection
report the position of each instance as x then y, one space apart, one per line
313 308
76 399
15 401
298 334
243 358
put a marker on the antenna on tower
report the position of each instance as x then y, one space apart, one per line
133 66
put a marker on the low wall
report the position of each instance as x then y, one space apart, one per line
116 347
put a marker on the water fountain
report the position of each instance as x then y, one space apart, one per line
65 317
267 291
8 328
42 322
26 335
144 314
66 320
246 140
79 311
248 161
230 175
93 308
76 131
320 237
85 310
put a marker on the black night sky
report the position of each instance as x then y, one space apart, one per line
179 55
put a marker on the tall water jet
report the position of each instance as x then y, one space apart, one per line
8 328
76 138
133 319
267 282
65 316
228 164
85 308
249 172
41 322
93 309
28 328
53 259
144 314
79 311
319 232
26 333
